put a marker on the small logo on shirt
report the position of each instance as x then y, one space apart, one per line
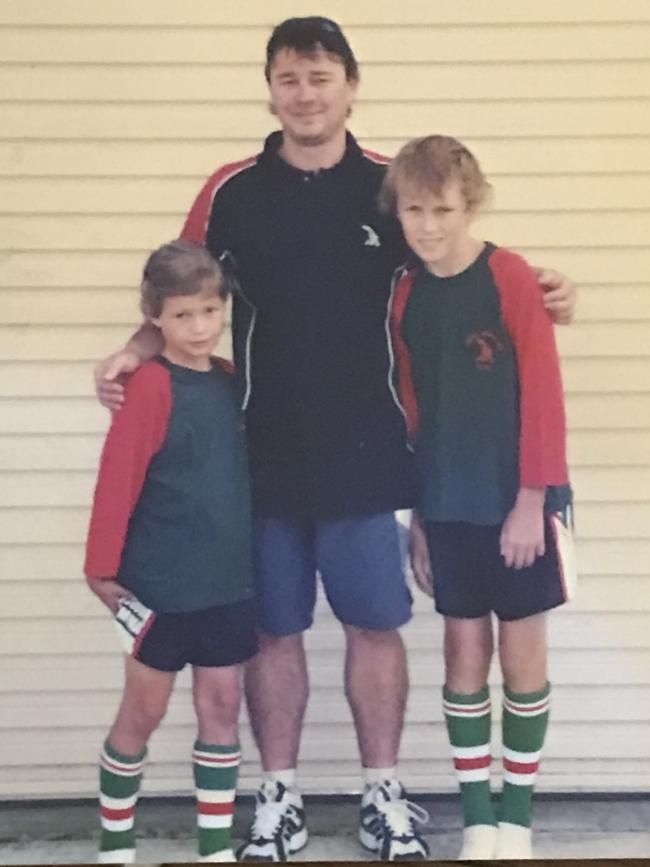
484 345
372 239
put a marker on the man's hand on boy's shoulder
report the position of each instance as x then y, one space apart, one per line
560 295
109 377
109 591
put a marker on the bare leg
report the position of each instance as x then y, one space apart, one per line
144 703
277 689
468 653
376 686
523 653
217 697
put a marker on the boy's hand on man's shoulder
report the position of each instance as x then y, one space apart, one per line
109 591
109 377
560 295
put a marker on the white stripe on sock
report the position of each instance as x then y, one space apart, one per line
205 820
215 796
118 803
519 779
117 824
471 752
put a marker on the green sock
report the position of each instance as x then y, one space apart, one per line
119 783
215 776
468 718
524 723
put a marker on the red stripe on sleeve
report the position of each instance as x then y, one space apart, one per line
542 439
196 222
137 432
407 396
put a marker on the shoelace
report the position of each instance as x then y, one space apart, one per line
399 812
269 815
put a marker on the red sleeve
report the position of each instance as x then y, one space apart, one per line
542 437
137 432
198 217
407 399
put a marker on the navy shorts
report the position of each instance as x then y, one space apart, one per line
470 578
360 561
219 636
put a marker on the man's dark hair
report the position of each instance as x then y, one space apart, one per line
178 268
307 36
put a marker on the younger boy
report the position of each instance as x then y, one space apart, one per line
168 550
479 381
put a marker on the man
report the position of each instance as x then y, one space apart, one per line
299 225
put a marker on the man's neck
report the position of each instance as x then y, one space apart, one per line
311 158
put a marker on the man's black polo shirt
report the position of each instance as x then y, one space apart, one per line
314 260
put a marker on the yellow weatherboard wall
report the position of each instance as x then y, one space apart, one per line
113 114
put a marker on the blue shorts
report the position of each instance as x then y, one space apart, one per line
360 561
471 579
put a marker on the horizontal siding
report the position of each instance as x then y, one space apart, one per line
69 157
156 196
112 116
560 42
69 82
66 489
215 119
604 559
153 13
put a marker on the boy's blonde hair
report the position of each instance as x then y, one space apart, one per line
428 164
178 268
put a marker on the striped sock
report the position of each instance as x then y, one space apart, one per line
119 782
524 723
215 776
468 718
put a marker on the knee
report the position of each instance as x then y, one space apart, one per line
373 639
145 715
218 706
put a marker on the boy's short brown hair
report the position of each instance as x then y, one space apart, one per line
178 268
428 164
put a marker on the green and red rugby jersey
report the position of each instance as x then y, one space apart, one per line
171 512
478 375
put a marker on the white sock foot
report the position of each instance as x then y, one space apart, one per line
513 842
117 856
223 855
479 842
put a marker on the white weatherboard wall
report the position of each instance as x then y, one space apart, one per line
112 115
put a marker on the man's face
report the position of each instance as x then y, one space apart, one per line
310 95
436 227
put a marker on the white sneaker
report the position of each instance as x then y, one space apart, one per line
388 823
513 842
479 843
278 828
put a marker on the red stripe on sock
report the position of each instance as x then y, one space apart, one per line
472 764
109 813
528 708
467 708
520 767
117 767
216 760
214 809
